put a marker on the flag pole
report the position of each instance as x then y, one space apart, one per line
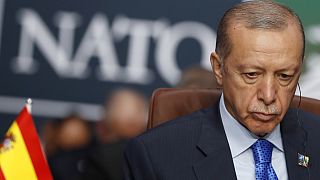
29 105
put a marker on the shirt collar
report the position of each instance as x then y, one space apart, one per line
240 138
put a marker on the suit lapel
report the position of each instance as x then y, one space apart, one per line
217 163
293 138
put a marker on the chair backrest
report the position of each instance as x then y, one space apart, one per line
170 103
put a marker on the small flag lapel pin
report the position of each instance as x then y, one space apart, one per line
303 160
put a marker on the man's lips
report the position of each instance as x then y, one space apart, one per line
263 116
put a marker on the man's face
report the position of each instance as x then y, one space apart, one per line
260 75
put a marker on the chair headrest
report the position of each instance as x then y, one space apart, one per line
170 103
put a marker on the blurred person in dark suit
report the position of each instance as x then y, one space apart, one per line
125 117
67 142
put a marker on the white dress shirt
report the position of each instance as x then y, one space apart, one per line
240 141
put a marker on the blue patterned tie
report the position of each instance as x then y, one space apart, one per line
262 152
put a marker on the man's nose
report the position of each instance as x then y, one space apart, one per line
267 91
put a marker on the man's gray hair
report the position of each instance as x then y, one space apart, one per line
259 14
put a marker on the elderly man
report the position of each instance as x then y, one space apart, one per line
251 133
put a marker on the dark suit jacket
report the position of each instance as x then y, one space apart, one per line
195 147
104 162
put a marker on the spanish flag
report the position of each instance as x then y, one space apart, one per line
21 155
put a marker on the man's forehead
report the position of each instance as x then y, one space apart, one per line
238 25
239 33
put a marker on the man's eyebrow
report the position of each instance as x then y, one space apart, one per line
261 67
250 66
289 68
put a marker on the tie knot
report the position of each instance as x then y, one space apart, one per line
262 151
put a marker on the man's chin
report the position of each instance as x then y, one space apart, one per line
262 131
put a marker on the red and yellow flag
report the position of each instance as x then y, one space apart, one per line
21 155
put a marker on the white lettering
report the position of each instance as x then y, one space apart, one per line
140 33
169 41
35 32
97 42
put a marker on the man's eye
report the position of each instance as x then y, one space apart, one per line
251 75
285 77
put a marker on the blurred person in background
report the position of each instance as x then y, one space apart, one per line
67 142
48 137
197 77
125 117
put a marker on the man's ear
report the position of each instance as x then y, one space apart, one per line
216 65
